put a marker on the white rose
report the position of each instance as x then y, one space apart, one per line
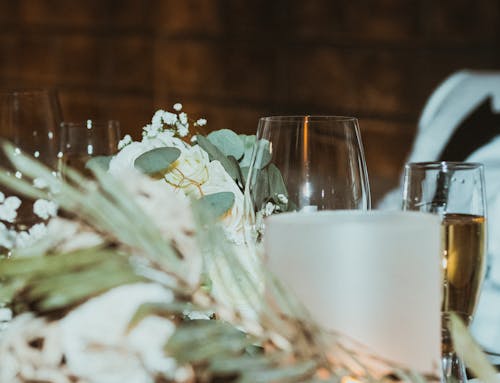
98 346
190 172
220 181
124 159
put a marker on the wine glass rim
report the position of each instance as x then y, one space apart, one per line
295 118
89 123
444 165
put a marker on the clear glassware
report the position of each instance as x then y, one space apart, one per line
82 141
305 163
456 192
30 120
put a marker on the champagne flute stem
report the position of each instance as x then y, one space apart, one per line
453 369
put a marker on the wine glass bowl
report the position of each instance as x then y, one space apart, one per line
82 141
306 163
29 119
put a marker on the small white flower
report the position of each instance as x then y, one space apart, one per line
182 131
45 209
178 107
22 239
151 131
282 198
8 210
201 122
37 231
194 140
269 209
28 238
7 237
124 141
12 202
2 197
183 118
169 118
156 121
40 183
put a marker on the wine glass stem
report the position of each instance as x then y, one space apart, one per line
453 369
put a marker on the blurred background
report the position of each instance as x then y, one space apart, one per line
232 61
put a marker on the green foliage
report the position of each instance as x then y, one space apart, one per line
49 283
228 142
102 161
215 154
218 203
248 145
156 160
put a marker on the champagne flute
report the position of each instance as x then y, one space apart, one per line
456 192
82 141
305 163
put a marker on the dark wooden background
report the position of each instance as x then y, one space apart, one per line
233 61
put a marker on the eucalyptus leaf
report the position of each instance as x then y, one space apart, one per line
215 154
276 183
101 161
244 173
218 203
261 190
239 175
156 160
228 142
262 154
248 145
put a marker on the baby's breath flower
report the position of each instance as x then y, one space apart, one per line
282 198
124 142
156 121
183 118
269 209
151 131
201 122
178 107
40 183
182 130
8 209
169 118
45 209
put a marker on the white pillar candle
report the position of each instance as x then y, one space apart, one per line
374 276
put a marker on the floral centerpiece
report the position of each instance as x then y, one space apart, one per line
118 292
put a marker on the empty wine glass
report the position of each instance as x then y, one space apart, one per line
82 141
29 119
455 191
305 163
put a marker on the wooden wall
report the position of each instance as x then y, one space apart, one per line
233 61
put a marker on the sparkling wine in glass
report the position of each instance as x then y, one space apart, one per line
305 163
455 191
82 141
